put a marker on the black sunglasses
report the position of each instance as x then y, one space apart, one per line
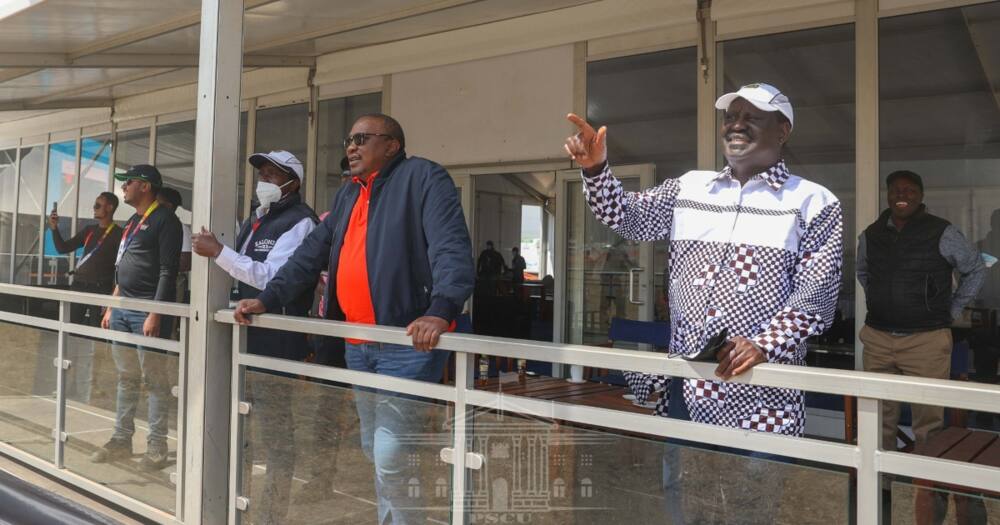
360 138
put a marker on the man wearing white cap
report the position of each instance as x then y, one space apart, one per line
755 257
755 264
276 227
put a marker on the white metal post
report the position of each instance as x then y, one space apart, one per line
251 142
60 363
866 171
41 214
206 458
236 505
463 415
180 473
312 145
708 72
17 203
869 487
76 198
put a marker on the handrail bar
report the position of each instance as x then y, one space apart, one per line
96 299
937 392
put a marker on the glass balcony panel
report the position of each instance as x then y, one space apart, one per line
306 454
547 472
116 390
28 389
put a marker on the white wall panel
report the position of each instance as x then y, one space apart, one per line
554 28
496 110
60 121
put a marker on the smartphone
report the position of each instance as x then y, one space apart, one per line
55 204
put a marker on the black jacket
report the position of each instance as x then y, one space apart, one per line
909 281
418 250
282 216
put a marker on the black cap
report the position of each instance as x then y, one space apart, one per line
143 172
172 196
905 174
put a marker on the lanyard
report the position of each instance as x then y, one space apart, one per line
86 256
126 238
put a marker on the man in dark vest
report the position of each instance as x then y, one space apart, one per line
276 227
906 259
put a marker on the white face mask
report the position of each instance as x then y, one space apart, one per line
268 194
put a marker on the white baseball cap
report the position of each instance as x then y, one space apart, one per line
764 96
284 160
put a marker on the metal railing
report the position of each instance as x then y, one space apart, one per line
865 457
64 328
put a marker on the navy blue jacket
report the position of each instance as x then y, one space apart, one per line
418 249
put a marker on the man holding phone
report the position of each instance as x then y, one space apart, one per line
94 273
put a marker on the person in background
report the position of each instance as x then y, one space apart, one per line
491 263
146 269
398 253
94 273
906 260
276 227
172 199
517 266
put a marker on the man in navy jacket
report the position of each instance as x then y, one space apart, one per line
398 254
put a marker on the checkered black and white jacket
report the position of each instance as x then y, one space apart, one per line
762 259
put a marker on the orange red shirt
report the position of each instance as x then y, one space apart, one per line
353 291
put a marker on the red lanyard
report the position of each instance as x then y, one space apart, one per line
126 238
100 241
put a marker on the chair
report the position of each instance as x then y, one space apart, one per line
622 330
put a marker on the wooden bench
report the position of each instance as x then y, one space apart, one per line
599 395
958 444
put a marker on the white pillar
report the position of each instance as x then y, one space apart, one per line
206 457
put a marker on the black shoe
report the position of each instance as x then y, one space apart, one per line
113 450
155 457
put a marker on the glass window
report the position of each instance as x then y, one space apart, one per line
939 116
8 200
132 148
60 194
815 69
30 206
336 116
283 128
175 161
649 103
95 159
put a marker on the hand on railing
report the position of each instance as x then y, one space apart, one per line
738 356
426 332
246 308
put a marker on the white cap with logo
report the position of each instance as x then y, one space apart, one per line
764 96
284 160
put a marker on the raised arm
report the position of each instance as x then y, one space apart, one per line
637 216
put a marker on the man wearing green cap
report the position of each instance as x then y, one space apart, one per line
146 268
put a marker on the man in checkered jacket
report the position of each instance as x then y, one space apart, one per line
753 249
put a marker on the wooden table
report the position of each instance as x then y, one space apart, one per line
958 444
593 394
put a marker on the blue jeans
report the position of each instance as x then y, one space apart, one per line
386 418
136 367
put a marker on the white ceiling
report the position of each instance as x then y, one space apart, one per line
92 29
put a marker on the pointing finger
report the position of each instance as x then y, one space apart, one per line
581 124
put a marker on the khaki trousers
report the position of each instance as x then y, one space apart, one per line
923 354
